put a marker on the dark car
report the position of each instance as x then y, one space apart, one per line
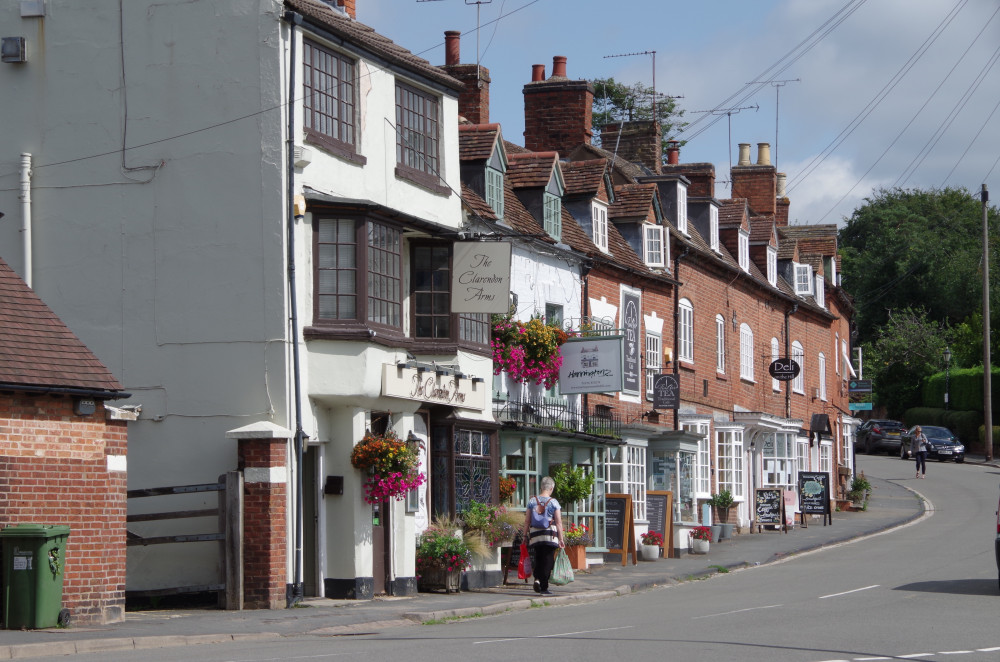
943 444
879 435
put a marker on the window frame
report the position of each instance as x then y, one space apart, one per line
720 344
744 250
494 190
599 224
682 207
775 355
821 370
427 155
746 353
713 228
731 472
703 458
803 279
552 215
685 331
798 355
654 360
331 96
653 234
772 266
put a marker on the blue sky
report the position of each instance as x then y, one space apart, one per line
899 93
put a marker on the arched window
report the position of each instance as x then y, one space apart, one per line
720 344
798 384
822 376
775 355
746 352
685 331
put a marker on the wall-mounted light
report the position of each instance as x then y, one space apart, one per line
12 49
736 322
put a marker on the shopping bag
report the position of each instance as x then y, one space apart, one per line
524 565
562 570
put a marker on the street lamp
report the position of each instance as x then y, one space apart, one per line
947 375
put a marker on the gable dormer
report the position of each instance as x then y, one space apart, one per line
764 247
589 194
734 231
537 180
484 162
638 217
703 215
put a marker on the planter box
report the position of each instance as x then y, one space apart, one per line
699 546
577 557
650 552
435 579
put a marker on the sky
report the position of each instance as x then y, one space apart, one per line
852 95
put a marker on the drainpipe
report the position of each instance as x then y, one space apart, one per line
297 590
788 353
26 214
677 317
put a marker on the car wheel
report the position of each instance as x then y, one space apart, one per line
959 460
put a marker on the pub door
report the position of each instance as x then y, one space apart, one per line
381 546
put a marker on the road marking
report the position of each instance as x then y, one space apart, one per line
548 636
862 659
834 595
954 652
914 655
988 650
736 611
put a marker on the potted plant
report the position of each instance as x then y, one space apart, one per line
652 541
441 557
572 484
861 489
577 538
508 487
392 465
701 536
722 502
527 351
495 525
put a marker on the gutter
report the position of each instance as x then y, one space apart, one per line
100 394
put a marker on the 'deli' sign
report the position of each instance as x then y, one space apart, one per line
480 280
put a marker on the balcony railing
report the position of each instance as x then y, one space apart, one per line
556 414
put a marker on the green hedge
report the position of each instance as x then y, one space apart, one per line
965 388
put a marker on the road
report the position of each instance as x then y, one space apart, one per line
926 591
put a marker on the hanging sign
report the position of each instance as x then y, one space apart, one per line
666 391
480 281
591 364
631 347
784 370
427 386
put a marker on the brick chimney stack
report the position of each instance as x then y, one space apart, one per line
474 100
636 142
758 183
782 202
349 7
557 112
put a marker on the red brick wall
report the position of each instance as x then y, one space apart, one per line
701 176
636 142
54 470
474 100
265 553
758 184
557 115
350 6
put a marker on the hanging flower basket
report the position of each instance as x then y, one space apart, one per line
527 351
392 466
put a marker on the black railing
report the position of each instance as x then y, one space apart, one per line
556 414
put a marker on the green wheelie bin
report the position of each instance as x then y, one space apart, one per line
34 556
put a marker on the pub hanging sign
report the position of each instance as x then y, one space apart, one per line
480 281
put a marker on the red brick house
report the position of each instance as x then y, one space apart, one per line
62 448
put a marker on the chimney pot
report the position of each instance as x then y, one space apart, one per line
673 152
537 72
782 178
763 153
559 66
452 47
744 159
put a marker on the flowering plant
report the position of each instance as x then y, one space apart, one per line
508 486
701 533
392 466
653 538
526 351
577 534
494 523
441 549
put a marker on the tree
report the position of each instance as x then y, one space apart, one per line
618 102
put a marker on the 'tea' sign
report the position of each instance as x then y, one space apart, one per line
784 370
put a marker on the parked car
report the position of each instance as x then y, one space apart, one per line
943 444
879 435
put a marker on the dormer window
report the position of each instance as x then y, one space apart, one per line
553 216
744 250
772 266
803 280
653 245
682 208
820 291
599 220
494 190
713 227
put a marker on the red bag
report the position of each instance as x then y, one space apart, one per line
524 565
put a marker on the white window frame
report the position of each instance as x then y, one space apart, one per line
847 370
822 376
778 461
820 291
720 344
703 458
599 220
744 250
798 355
713 228
846 443
803 279
775 355
552 215
494 190
825 457
772 266
836 353
730 460
652 244
801 459
685 331
746 352
654 357
626 474
682 208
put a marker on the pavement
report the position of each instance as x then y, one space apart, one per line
892 505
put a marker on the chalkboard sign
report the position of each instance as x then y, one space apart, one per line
814 494
659 512
510 557
619 528
769 507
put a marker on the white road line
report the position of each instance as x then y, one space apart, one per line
548 636
834 595
915 655
988 650
863 659
954 652
736 611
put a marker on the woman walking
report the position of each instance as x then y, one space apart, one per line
544 532
918 447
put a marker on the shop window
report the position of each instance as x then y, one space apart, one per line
779 461
463 466
729 454
703 459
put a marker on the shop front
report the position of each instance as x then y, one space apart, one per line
671 466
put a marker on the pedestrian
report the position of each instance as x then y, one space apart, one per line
544 532
918 448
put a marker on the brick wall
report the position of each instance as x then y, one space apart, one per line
474 100
637 142
701 176
54 470
265 575
758 184
557 115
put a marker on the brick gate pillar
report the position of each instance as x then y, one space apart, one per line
263 459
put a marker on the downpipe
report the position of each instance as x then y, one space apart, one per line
25 197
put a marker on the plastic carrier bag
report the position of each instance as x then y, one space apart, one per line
562 570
